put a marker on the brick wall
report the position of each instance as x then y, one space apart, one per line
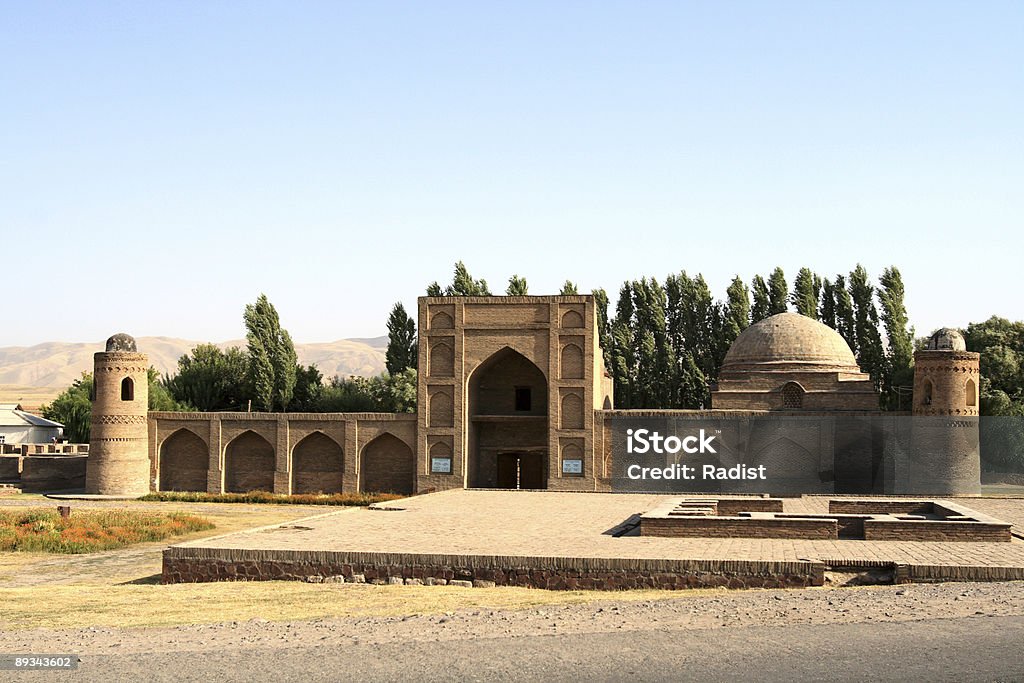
930 530
185 458
738 527
387 466
42 473
317 465
249 464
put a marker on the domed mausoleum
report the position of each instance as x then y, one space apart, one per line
791 362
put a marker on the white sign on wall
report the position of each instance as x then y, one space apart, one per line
441 465
572 467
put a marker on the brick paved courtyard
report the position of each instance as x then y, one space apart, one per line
553 529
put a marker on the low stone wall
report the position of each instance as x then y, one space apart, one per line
185 565
43 473
739 527
881 507
935 530
10 468
730 507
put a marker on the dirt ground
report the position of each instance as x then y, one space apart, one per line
591 613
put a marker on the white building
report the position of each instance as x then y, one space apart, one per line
17 426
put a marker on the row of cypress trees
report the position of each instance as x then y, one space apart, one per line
665 341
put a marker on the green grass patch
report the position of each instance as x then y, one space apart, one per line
356 499
44 530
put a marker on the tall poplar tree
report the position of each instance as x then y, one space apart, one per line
777 292
805 293
846 324
737 312
569 288
402 349
870 354
827 312
272 357
762 300
900 336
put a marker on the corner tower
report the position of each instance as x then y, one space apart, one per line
946 455
118 462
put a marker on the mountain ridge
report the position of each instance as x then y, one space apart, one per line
57 364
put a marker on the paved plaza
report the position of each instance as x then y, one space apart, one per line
512 528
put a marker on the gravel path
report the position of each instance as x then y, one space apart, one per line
703 610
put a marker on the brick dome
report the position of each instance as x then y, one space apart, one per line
121 342
947 339
789 341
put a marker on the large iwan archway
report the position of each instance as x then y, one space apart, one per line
508 423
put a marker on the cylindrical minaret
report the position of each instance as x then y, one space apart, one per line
118 463
945 457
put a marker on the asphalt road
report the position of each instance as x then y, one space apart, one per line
963 649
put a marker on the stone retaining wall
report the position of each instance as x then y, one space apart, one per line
182 566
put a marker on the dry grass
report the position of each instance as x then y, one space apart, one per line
206 603
44 530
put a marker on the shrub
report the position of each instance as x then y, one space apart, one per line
355 499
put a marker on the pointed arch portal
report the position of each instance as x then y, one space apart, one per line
508 423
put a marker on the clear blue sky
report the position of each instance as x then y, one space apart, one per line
162 163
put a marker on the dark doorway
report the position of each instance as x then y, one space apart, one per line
520 471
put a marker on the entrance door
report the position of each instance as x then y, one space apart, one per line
508 471
531 471
520 471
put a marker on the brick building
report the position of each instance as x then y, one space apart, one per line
513 393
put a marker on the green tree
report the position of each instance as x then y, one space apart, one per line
463 283
272 357
900 357
569 288
604 328
434 289
209 379
870 353
827 312
384 394
1001 345
806 288
762 300
402 351
778 292
309 389
737 312
73 409
516 286
846 324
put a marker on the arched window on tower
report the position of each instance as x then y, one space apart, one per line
972 393
127 389
792 396
926 399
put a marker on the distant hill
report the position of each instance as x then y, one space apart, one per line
55 365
